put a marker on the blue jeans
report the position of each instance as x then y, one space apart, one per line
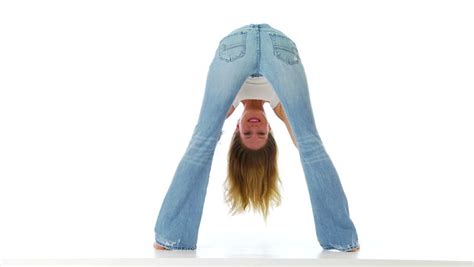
254 49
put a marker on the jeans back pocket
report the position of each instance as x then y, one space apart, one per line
233 46
285 49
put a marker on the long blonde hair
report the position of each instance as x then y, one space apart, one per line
252 177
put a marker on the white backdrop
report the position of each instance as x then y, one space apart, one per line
98 100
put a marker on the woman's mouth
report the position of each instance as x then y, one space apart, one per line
253 119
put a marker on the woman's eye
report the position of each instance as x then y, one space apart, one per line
261 133
246 133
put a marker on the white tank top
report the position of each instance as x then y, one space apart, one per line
257 88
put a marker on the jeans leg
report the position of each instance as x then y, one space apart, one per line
180 215
283 68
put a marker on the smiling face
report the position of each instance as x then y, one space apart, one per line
253 128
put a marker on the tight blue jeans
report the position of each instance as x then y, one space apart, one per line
254 49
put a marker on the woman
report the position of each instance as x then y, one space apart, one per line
252 51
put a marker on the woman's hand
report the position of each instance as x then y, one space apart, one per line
281 114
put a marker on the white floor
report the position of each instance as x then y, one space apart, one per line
237 253
182 261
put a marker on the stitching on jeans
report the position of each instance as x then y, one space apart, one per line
223 47
277 48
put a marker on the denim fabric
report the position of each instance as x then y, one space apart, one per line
255 49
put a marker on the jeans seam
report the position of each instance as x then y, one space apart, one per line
258 49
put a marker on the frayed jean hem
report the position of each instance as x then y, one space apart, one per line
346 248
170 245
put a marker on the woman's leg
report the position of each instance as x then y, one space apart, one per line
281 64
178 221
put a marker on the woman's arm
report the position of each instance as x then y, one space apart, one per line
230 111
281 114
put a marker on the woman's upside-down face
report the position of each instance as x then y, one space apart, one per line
253 128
